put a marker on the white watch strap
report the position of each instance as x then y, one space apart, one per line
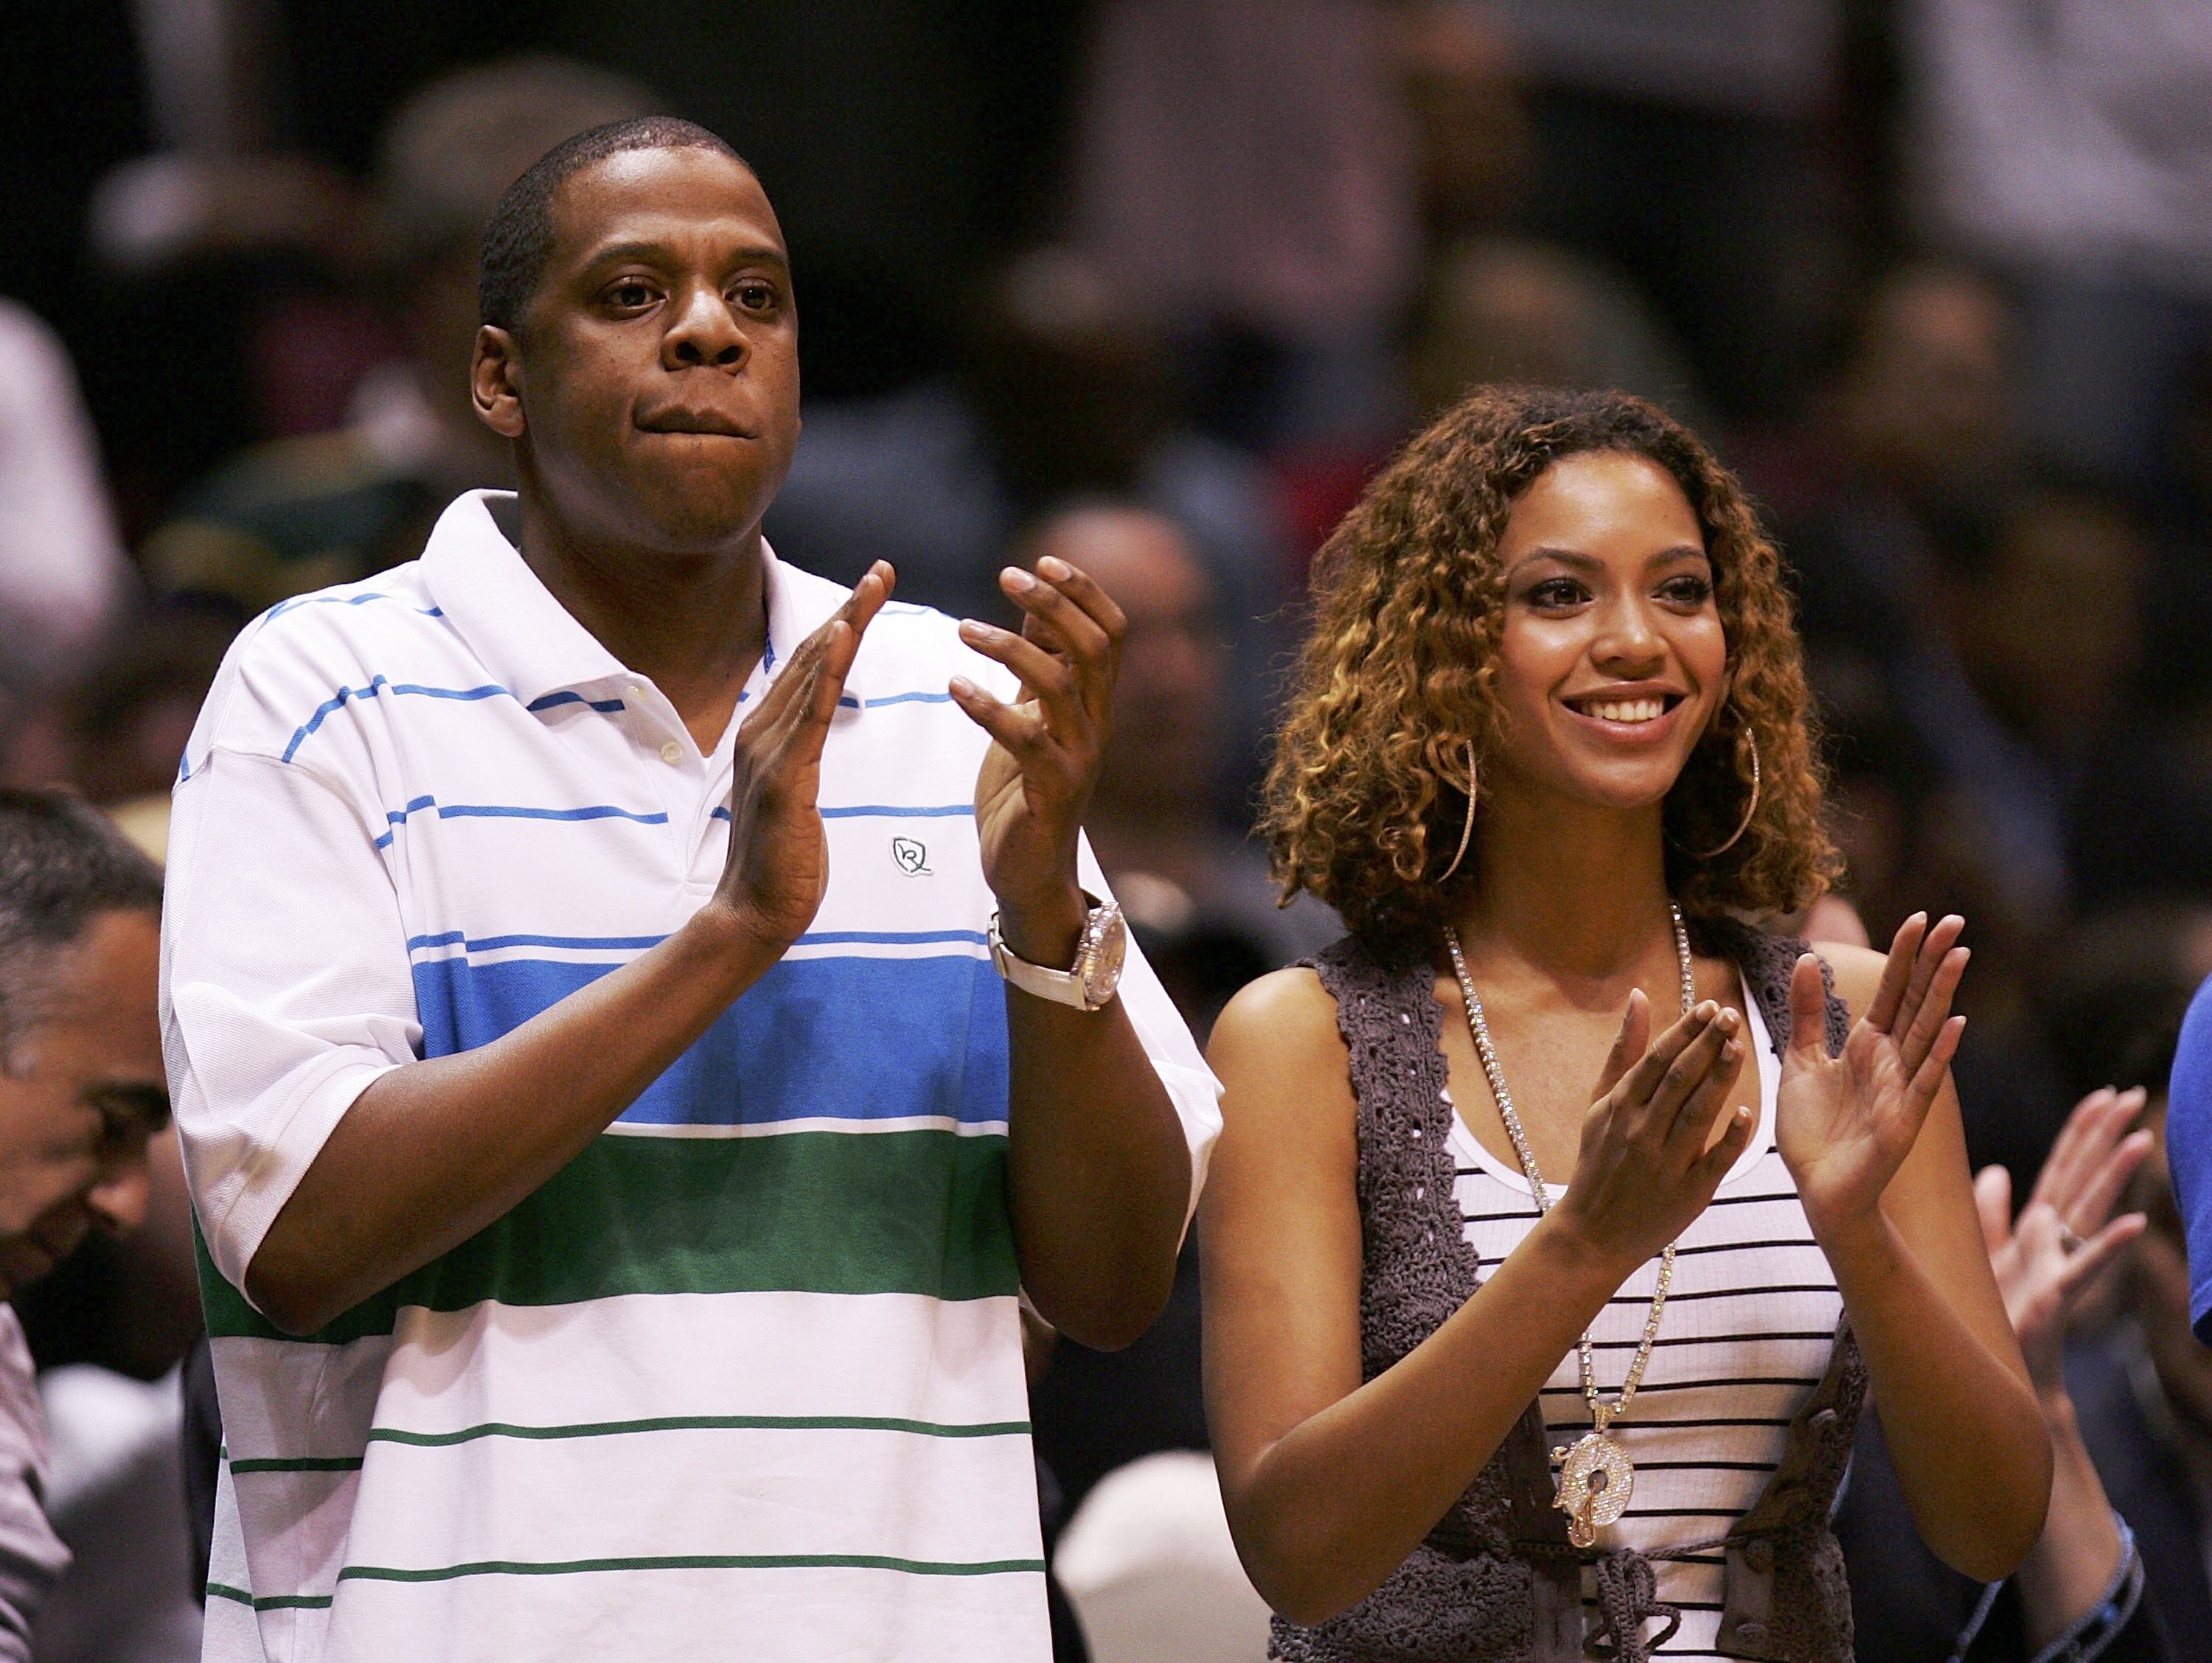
1061 986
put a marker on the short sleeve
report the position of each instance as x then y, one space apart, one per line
1167 1041
2189 1149
285 988
32 1556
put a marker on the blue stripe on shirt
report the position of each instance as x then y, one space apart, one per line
516 811
893 811
496 943
377 684
605 706
297 601
858 1039
469 944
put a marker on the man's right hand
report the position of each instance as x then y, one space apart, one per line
778 863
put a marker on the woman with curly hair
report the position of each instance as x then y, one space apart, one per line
1563 1218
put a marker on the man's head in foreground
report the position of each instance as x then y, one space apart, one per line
640 345
82 1087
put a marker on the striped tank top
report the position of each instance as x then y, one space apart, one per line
1745 1336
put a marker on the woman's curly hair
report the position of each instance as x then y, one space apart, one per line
1367 794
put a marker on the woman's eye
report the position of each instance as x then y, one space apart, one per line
1557 592
1687 591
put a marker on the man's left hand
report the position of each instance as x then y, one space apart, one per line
1036 779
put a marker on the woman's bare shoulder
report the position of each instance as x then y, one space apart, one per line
1280 1035
1284 1007
1284 1073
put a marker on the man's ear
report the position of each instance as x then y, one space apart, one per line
495 382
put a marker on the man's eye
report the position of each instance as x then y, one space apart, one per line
630 295
755 297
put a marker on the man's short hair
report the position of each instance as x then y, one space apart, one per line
519 240
62 864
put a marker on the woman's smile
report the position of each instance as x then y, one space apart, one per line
1627 716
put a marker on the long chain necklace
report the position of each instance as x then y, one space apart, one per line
1597 1478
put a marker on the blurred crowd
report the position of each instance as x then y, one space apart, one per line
1155 286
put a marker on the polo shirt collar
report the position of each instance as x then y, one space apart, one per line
531 642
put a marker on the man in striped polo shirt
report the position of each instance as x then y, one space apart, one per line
615 1157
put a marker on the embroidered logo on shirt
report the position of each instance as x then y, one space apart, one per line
913 859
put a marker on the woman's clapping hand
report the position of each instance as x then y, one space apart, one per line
1845 1124
1648 1164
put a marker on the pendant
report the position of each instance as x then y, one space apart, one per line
1596 1481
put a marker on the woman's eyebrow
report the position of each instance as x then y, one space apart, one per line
1568 557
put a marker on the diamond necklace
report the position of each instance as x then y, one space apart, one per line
1597 1478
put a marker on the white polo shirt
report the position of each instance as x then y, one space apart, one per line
744 1379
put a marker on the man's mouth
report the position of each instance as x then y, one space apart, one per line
693 422
1628 710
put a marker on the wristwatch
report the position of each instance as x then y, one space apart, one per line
1098 972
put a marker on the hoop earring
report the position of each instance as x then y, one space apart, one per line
1466 830
1749 809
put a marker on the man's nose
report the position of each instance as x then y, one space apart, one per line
118 1201
704 332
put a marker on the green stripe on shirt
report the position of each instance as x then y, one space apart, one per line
618 1429
272 1602
833 1212
696 1562
704 1423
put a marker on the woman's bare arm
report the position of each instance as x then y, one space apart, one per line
1971 1450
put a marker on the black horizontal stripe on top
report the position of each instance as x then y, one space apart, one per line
1528 1211
1771 1308
1754 1290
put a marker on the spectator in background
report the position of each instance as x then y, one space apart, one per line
1245 171
1504 309
1204 909
2188 1145
2046 627
2070 144
114 730
1061 392
1199 895
303 512
2136 1394
1920 419
2080 1593
1460 74
63 573
2142 1383
81 1093
2017 773
1682 142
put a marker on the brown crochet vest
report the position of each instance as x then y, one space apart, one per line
1497 1581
